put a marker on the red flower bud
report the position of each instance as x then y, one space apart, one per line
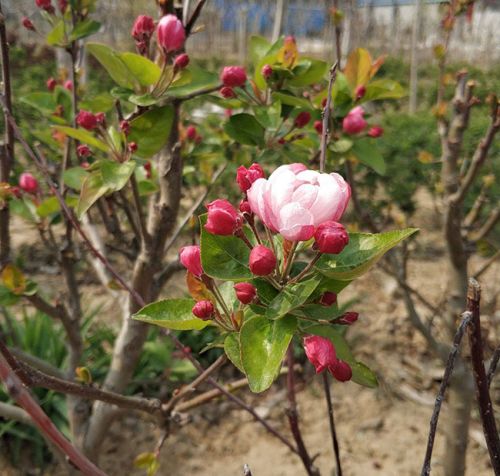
68 84
63 4
45 4
181 61
170 34
101 118
85 165
262 261
341 371
83 150
360 92
132 147
328 298
233 76
318 125
203 310
281 141
323 103
267 71
223 219
245 207
302 119
87 120
376 131
347 318
190 258
28 183
143 29
227 93
125 127
51 84
28 24
191 133
330 237
246 177
354 122
320 352
245 292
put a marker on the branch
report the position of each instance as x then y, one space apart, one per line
482 387
194 17
493 364
333 433
475 210
326 118
488 225
466 318
486 265
36 362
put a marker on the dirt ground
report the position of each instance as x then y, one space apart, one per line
381 431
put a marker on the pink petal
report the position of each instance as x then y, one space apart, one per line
295 222
305 195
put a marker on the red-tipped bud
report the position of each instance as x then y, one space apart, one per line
44 4
125 127
143 29
83 150
101 118
181 61
318 125
28 24
246 177
348 318
63 4
87 120
233 76
245 292
190 258
330 237
267 71
227 92
51 84
360 92
354 122
245 207
282 141
262 261
191 133
132 147
328 298
341 371
376 131
302 119
203 310
28 183
323 103
223 219
68 84
170 33
320 352
147 169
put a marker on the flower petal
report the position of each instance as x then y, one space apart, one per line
295 222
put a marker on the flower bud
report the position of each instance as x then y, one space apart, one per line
143 29
28 183
181 61
262 261
125 127
360 92
347 318
318 125
132 147
227 93
87 120
85 165
44 5
203 310
330 237
341 371
320 352
83 150
245 207
281 141
233 76
190 258
376 131
170 33
267 71
328 298
63 4
101 118
245 292
354 122
68 84
246 177
223 219
302 119
28 24
191 133
51 84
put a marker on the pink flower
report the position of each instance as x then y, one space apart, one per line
244 207
51 84
171 34
223 219
28 24
328 298
330 237
262 261
28 183
68 84
203 310
87 120
143 28
354 122
233 76
245 292
320 352
246 177
294 200
181 61
267 71
302 119
376 131
190 258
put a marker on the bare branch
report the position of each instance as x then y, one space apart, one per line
488 225
493 364
326 118
486 265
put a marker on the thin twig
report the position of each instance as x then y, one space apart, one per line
333 433
138 209
486 265
326 118
466 318
493 365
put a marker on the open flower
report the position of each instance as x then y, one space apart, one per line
294 200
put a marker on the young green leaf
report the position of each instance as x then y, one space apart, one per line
245 129
112 63
233 351
143 69
366 151
84 28
83 136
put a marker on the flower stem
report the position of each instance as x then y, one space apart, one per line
307 268
328 397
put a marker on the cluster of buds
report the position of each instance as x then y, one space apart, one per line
232 77
51 84
321 353
142 31
354 123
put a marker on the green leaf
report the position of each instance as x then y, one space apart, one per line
115 175
383 89
74 177
258 48
291 297
313 74
224 257
201 80
56 36
173 314
84 28
341 146
263 346
43 102
151 130
232 350
366 151
112 63
146 72
290 100
83 136
245 129
93 189
362 252
48 207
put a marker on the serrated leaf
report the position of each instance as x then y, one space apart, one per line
233 351
112 63
115 175
314 73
